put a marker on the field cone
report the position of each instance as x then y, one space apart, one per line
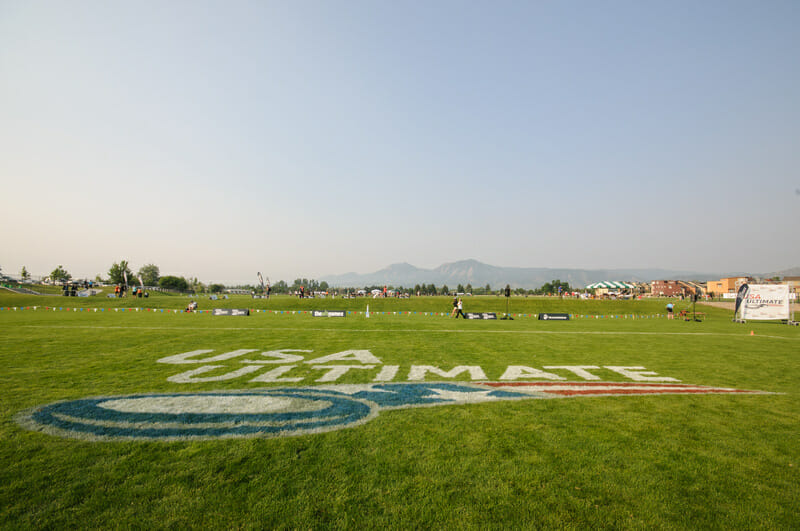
752 333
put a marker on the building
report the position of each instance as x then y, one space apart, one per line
716 288
642 288
794 284
667 288
674 288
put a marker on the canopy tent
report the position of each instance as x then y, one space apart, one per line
610 284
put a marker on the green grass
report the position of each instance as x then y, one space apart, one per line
669 462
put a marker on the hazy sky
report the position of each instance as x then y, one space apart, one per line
299 139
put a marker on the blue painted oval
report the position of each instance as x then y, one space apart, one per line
86 418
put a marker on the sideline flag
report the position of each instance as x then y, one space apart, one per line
740 295
261 280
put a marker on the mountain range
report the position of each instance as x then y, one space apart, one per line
479 274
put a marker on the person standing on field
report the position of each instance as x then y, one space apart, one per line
460 309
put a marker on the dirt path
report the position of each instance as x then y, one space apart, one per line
718 304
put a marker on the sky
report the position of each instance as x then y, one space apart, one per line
301 139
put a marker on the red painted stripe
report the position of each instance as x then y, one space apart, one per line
588 392
616 388
584 384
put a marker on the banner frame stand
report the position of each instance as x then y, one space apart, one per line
740 312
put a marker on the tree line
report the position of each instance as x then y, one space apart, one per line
150 276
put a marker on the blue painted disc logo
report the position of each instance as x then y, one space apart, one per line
201 415
284 412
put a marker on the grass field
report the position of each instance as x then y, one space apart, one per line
671 461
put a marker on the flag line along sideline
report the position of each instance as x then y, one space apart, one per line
307 312
408 330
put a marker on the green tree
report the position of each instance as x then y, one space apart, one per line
60 274
280 287
216 288
552 287
149 274
460 288
309 284
196 285
468 288
445 290
24 273
173 282
118 271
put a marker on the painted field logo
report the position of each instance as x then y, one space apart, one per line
282 412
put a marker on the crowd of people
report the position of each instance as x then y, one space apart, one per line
121 289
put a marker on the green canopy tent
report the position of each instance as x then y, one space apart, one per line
610 284
611 288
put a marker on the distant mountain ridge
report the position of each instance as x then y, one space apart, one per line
792 272
479 274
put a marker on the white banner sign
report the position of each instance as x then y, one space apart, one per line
766 301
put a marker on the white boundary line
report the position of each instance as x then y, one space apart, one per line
405 331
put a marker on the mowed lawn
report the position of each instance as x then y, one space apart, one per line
663 461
